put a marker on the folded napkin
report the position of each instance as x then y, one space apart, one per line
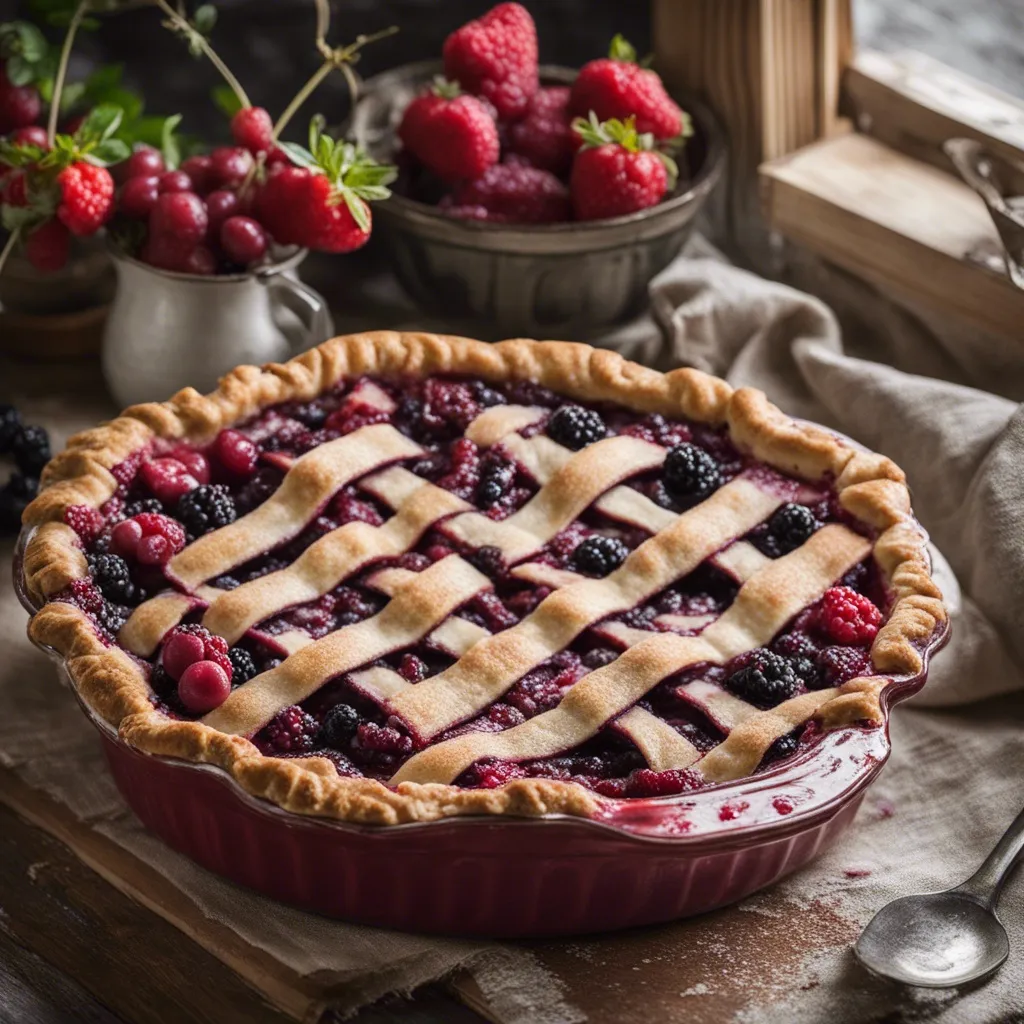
952 784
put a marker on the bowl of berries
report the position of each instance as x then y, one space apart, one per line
543 199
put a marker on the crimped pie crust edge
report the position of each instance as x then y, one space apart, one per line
870 486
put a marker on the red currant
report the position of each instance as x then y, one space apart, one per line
175 181
181 216
195 462
180 651
253 128
199 169
203 686
125 537
33 135
219 206
168 479
243 240
144 162
20 107
138 197
230 165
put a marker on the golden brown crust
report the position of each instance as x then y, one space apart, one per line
115 686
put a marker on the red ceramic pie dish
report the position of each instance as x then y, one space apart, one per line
512 640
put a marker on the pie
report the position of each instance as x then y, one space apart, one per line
408 576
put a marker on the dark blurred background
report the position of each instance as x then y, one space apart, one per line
269 43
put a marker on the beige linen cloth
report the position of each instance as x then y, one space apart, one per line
946 410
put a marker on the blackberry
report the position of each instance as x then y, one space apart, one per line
226 582
599 657
488 559
790 526
293 731
782 747
243 668
31 448
600 555
311 414
110 573
766 679
339 726
10 422
575 427
14 496
486 396
141 505
207 507
496 477
802 652
112 617
690 473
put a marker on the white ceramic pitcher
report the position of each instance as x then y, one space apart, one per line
167 331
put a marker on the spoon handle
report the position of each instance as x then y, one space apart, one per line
987 882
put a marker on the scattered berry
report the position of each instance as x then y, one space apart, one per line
208 507
575 426
690 473
600 555
167 478
847 617
496 57
617 87
339 726
544 135
243 668
110 573
236 453
253 129
616 172
765 679
450 132
293 731
516 194
203 686
87 197
47 247
243 240
10 424
139 196
14 497
31 449
180 216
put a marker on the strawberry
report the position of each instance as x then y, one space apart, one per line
450 132
87 197
516 194
544 135
47 247
617 87
616 171
496 57
322 203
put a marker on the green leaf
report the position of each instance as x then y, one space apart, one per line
19 71
671 168
71 94
104 78
100 123
15 217
111 151
622 49
226 100
169 143
299 155
32 43
18 154
148 130
205 18
129 102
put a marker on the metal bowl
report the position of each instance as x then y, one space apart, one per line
567 280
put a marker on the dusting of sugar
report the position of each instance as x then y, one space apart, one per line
700 989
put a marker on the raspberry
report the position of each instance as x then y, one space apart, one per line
206 508
412 669
847 617
253 128
110 573
236 453
243 240
600 555
840 664
203 686
790 527
20 106
463 474
496 476
690 473
194 461
87 197
31 449
229 166
493 774
496 57
383 739
765 679
616 172
47 247
200 171
448 404
348 508
243 668
145 162
138 197
87 522
646 783
85 594
167 478
575 427
339 726
543 135
451 133
175 181
494 613
517 195
505 716
617 87
150 538
180 216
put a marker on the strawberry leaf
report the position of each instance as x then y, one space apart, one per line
19 71
110 151
444 88
226 100
299 155
671 168
357 208
100 123
622 49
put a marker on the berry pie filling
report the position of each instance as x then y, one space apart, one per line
443 580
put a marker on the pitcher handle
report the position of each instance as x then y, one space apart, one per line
308 305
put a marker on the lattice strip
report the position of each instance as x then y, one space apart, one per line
488 669
496 423
762 607
661 745
415 609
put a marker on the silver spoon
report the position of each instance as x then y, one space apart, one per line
944 939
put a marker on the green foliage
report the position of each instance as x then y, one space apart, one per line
226 100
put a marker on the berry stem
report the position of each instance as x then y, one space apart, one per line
182 23
8 248
62 69
301 96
